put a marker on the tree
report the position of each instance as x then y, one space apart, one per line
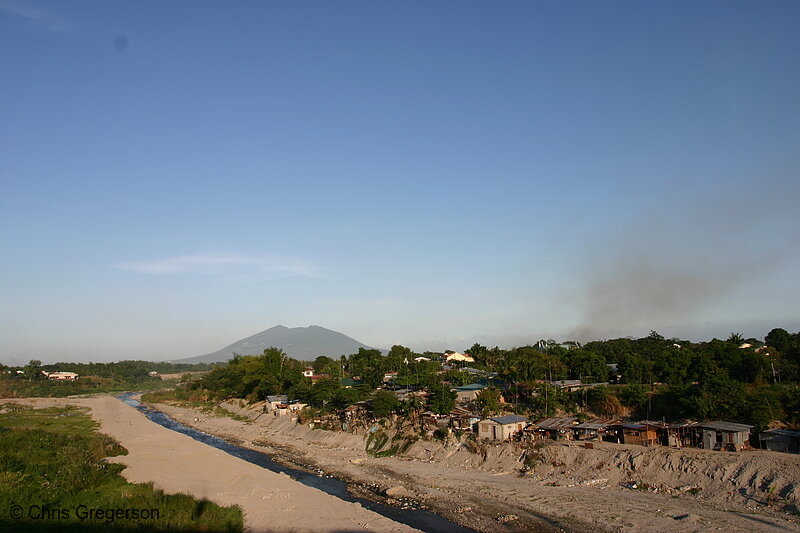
323 391
604 402
369 365
345 397
587 366
735 338
442 400
33 368
458 378
412 406
480 353
634 396
384 403
488 401
323 365
779 338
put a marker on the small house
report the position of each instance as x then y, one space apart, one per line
360 410
640 434
556 428
780 440
459 357
274 401
501 427
567 384
468 393
593 429
62 376
727 436
463 419
348 383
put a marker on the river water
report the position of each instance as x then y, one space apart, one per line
415 517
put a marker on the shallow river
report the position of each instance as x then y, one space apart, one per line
413 516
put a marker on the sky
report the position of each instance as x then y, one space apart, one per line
175 176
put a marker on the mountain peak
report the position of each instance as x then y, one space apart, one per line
304 343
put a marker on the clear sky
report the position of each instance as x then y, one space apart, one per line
179 175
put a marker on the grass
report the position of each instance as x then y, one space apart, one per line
52 465
44 388
399 444
192 400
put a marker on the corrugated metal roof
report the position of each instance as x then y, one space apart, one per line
509 419
471 387
634 426
280 398
557 423
597 423
566 383
725 426
782 433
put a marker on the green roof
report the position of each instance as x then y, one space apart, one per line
474 386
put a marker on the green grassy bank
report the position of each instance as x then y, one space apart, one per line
53 478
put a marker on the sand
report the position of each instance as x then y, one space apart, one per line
572 489
177 463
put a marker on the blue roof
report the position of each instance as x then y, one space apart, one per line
473 386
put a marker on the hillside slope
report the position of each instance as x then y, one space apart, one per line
305 344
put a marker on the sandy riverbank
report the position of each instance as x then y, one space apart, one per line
573 489
177 463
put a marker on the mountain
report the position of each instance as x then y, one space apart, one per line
305 344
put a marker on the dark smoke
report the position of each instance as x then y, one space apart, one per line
685 258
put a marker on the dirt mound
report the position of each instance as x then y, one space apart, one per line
756 476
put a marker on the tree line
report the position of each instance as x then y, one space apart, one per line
745 380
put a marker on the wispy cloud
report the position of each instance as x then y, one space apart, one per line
212 264
22 10
360 302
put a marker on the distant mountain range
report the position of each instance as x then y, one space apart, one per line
305 344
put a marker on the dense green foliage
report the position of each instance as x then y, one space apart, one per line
94 377
54 459
254 377
742 380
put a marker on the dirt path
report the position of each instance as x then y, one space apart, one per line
177 463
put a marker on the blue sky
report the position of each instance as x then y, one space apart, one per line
179 175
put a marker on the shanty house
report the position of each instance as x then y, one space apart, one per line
555 428
463 419
359 410
274 401
501 427
719 435
780 440
593 429
641 434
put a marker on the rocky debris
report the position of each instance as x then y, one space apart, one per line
398 492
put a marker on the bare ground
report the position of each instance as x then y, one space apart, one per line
570 488
177 463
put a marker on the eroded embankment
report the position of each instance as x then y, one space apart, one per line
754 478
480 484
748 478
